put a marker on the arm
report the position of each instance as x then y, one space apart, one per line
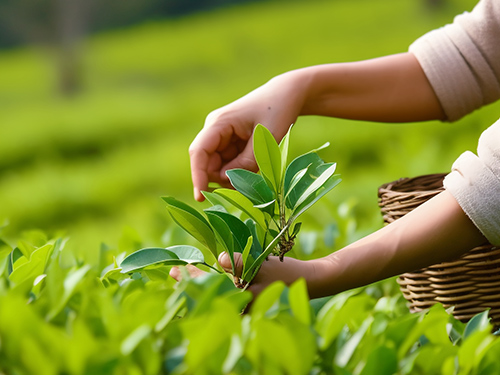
392 89
436 231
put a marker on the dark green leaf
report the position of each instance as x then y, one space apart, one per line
237 227
251 185
298 164
256 249
320 175
192 222
223 233
152 256
301 182
478 322
247 258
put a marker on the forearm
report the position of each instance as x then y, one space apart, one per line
389 89
436 231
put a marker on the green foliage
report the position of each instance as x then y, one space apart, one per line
273 200
62 318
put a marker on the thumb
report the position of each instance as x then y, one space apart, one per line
225 262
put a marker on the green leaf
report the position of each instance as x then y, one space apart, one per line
215 199
188 254
299 301
247 258
251 185
237 227
479 322
317 183
223 233
34 267
316 195
301 182
256 249
284 150
298 164
268 207
74 277
267 299
345 353
252 270
268 156
192 222
244 204
381 360
155 256
131 342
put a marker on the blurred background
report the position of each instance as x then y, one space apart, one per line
99 101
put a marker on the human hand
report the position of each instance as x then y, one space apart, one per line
225 142
270 271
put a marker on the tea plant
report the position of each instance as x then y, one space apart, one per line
271 201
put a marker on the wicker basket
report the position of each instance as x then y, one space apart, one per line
471 283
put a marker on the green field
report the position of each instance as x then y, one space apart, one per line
97 163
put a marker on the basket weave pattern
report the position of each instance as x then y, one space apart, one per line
470 283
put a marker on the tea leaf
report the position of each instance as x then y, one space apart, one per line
238 229
284 151
315 195
247 258
156 256
251 185
34 267
299 301
301 182
478 322
223 233
256 249
298 164
268 156
188 254
192 222
317 183
241 202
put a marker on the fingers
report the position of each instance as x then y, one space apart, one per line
225 263
245 160
193 271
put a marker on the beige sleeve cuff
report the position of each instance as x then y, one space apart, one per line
457 69
475 184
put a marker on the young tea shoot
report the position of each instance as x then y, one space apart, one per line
264 223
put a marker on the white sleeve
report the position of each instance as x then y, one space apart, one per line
462 60
475 183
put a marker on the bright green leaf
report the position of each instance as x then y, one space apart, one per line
244 204
299 301
268 156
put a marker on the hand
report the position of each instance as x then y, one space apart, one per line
225 142
270 271
273 270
